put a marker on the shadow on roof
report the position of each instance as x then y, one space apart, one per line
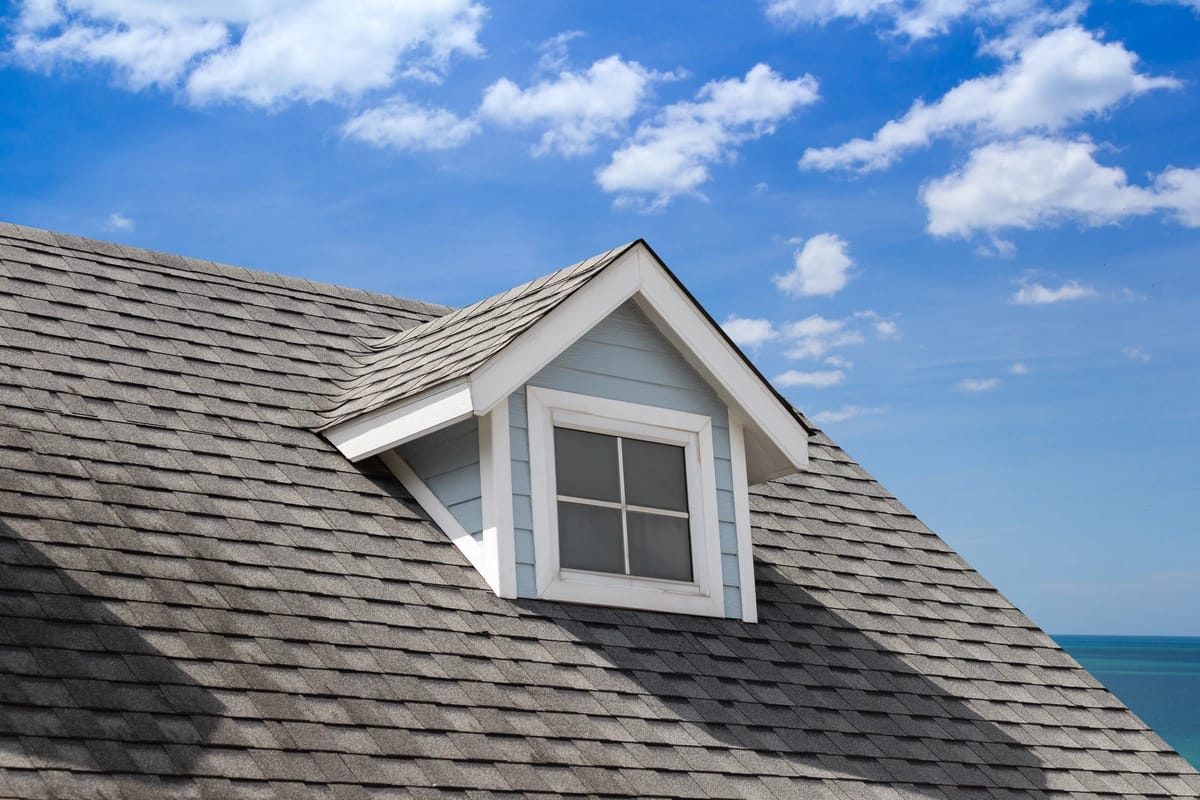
83 688
808 692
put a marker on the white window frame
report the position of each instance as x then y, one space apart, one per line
704 594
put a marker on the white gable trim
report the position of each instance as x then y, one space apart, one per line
513 366
770 424
398 423
776 443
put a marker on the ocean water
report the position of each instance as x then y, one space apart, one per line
1158 677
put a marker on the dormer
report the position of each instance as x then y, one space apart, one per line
587 437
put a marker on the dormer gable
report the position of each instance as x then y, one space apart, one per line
587 437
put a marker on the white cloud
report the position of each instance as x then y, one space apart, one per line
1037 294
116 221
844 414
839 362
820 267
817 380
672 154
814 336
1040 182
578 108
407 126
884 328
749 332
1178 192
1135 354
795 12
1055 80
554 51
977 385
148 45
1018 368
916 19
997 247
267 52
814 325
818 346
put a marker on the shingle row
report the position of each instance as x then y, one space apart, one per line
200 598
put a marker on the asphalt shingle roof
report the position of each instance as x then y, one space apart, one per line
452 346
199 597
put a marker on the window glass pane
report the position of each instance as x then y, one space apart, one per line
589 537
659 547
654 475
585 465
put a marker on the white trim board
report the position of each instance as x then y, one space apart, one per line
741 512
704 594
776 443
513 366
495 481
393 425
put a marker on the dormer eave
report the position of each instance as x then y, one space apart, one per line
776 438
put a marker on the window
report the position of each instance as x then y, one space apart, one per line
624 501
622 505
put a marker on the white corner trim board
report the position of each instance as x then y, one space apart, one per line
741 513
704 594
495 482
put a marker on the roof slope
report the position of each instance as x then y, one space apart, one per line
410 361
200 597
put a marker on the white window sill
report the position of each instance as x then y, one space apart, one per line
647 594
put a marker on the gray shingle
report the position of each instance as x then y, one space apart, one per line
199 597
452 346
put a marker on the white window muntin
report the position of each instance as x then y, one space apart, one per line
625 430
702 595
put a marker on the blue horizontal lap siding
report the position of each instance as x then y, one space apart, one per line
448 462
625 357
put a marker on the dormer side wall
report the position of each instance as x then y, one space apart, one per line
447 461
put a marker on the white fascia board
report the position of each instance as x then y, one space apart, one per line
475 552
575 316
768 423
363 437
776 443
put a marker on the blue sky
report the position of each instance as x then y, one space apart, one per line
963 235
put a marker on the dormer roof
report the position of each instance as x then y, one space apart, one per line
401 366
418 380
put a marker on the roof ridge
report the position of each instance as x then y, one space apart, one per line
162 260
